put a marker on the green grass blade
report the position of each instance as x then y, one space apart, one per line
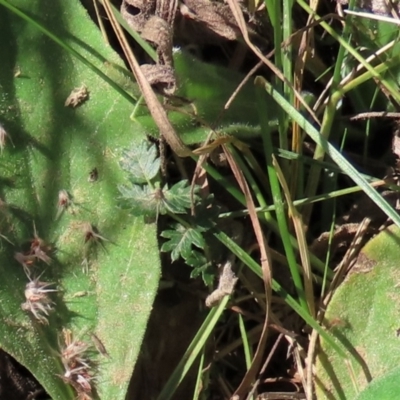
194 349
278 199
335 155
256 268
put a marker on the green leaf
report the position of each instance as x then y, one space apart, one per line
141 162
197 260
177 200
201 267
335 155
387 387
206 214
140 199
181 241
106 285
364 316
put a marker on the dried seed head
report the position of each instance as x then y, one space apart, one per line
79 378
37 290
77 366
77 97
36 242
39 248
40 254
73 352
71 372
63 199
38 251
91 233
37 300
64 202
40 310
83 380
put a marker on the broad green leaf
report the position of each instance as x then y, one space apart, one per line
364 317
106 285
387 387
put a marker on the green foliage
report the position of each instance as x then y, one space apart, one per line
143 196
181 240
370 36
141 163
370 33
363 316
177 200
103 263
206 93
386 387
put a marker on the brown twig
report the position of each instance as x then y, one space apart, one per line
267 276
157 111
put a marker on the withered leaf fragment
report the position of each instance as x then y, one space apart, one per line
77 97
